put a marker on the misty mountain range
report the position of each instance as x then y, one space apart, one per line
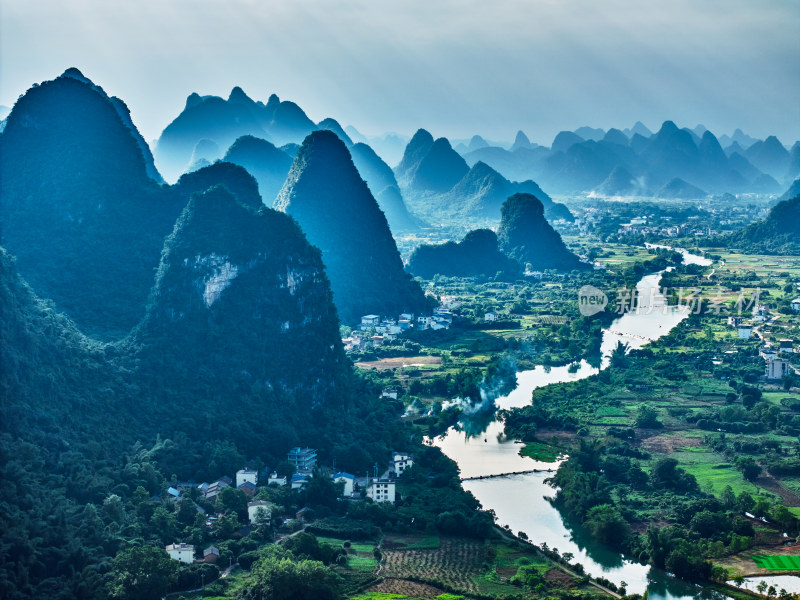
638 162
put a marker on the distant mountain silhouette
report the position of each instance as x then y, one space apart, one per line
481 193
223 121
476 255
584 165
265 162
638 128
527 237
383 185
439 170
389 147
333 125
615 136
355 135
416 149
678 188
590 133
520 141
583 160
619 183
770 157
739 138
564 140
205 150
476 143
333 205
519 165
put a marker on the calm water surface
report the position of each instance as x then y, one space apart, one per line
522 501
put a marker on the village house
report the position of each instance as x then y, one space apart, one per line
303 514
368 321
796 305
211 554
259 508
249 475
444 314
274 478
302 459
349 482
401 461
490 317
405 324
181 552
768 352
213 490
377 341
248 488
390 393
744 331
785 346
776 369
299 480
381 490
424 322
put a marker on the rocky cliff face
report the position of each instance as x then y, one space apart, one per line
241 291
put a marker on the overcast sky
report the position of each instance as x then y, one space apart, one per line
455 67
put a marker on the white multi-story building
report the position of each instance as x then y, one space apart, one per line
382 490
182 552
777 368
401 461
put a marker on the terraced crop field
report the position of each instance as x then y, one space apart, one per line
456 563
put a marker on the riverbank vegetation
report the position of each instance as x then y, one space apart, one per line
681 454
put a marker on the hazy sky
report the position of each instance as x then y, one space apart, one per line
455 67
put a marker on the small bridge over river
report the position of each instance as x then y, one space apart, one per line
495 475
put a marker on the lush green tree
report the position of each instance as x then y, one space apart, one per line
283 579
607 524
235 501
141 572
647 418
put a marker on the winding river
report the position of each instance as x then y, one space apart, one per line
522 501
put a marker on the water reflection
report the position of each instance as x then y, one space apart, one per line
522 502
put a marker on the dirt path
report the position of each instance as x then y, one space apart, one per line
769 483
